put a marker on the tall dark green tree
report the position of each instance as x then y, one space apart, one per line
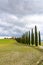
36 37
39 38
26 37
29 37
23 38
32 37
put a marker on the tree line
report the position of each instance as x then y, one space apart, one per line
33 38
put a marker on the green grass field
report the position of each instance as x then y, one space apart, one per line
14 53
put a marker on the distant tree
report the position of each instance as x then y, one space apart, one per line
23 38
12 37
39 38
36 37
26 36
29 37
32 37
17 39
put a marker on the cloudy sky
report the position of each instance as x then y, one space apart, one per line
18 16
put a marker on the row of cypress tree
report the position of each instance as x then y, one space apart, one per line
33 38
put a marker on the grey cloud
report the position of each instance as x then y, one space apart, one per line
26 6
9 25
22 7
18 9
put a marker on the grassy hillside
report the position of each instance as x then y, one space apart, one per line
13 53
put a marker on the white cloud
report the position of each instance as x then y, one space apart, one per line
12 25
33 18
18 16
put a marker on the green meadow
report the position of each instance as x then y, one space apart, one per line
14 53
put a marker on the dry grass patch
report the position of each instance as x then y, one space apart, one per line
13 53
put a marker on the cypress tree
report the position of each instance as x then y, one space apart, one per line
29 37
23 38
39 38
32 37
36 37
